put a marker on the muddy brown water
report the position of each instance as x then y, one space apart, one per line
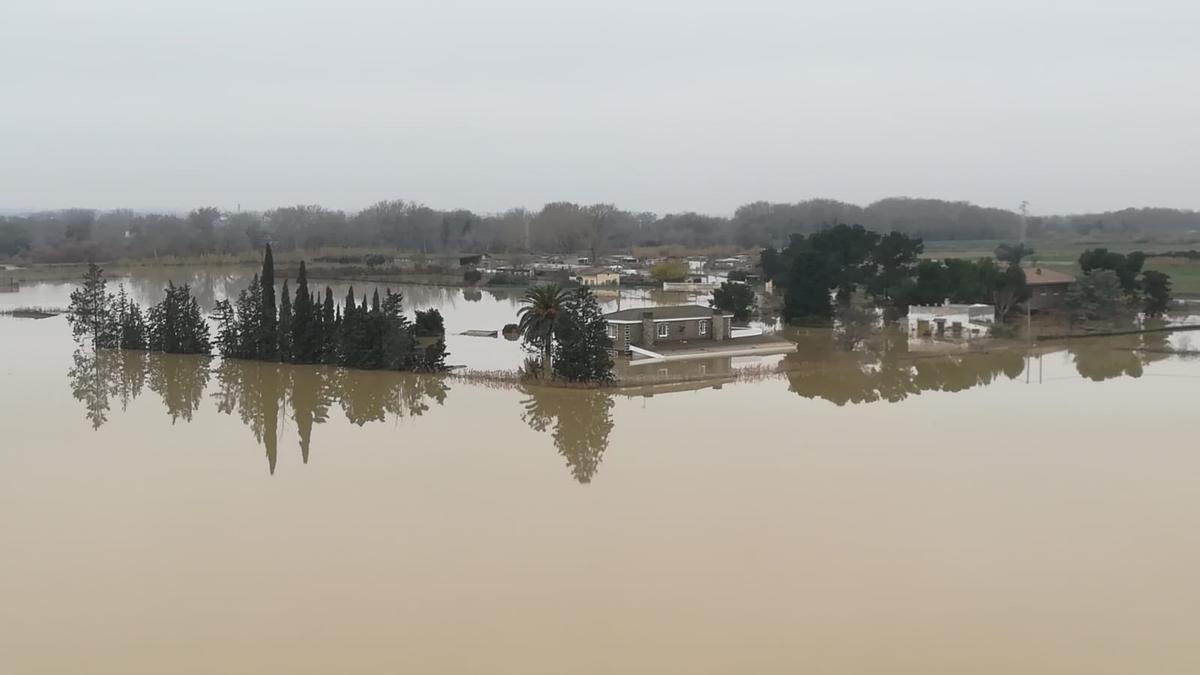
901 511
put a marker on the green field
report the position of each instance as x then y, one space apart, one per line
1064 256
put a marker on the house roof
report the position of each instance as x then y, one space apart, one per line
1036 276
672 312
947 309
594 271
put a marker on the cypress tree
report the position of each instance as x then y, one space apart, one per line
285 325
348 333
305 332
268 346
328 309
330 318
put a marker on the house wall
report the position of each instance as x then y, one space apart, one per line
924 323
599 279
625 334
1048 296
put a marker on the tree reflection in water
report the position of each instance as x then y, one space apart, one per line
260 393
890 369
180 381
255 389
1100 359
581 421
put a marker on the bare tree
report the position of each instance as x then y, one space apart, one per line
602 216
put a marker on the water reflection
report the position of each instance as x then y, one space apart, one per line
890 369
179 381
1100 360
264 396
579 421
893 368
261 394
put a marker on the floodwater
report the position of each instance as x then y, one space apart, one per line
902 510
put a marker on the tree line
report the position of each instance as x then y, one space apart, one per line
373 334
77 235
822 272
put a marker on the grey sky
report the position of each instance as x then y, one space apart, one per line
656 105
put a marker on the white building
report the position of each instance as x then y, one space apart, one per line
947 320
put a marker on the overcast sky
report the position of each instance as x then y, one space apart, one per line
652 104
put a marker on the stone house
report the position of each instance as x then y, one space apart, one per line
649 326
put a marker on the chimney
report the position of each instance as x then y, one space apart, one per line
718 325
648 334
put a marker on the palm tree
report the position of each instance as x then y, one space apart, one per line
539 317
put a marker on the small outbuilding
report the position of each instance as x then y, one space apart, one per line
948 320
598 276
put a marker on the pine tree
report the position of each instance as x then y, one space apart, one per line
268 336
131 325
91 312
430 323
249 316
176 325
582 350
228 343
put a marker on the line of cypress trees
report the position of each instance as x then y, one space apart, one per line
369 334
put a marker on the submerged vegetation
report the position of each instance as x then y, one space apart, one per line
106 320
371 335
566 330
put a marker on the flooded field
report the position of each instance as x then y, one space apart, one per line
1030 509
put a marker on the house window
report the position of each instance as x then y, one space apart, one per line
704 328
612 331
663 329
